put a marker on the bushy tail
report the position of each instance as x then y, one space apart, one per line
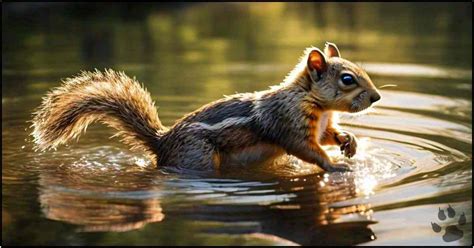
110 97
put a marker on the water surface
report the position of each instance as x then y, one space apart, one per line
415 146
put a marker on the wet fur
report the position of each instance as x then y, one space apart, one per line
295 117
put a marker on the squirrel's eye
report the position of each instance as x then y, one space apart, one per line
347 79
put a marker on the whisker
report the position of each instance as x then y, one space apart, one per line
388 85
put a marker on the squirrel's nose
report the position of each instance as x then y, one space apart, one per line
374 97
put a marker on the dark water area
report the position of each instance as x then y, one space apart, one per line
415 145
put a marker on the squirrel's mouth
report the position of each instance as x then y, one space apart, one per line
360 102
358 108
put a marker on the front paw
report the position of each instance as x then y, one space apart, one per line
339 167
348 144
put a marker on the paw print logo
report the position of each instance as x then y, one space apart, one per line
452 232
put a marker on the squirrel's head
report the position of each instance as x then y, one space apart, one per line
336 83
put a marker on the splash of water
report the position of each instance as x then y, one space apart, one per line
370 165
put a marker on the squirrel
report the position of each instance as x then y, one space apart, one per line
296 117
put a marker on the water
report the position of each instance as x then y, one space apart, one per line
415 150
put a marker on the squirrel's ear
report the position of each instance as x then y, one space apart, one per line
317 62
330 49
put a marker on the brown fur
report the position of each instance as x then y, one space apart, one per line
110 97
296 117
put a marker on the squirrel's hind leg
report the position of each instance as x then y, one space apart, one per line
191 153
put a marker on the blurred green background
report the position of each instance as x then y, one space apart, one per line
199 39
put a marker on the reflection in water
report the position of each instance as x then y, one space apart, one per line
303 215
99 215
288 204
75 193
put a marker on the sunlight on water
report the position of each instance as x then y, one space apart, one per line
370 165
420 101
142 162
415 70
108 158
